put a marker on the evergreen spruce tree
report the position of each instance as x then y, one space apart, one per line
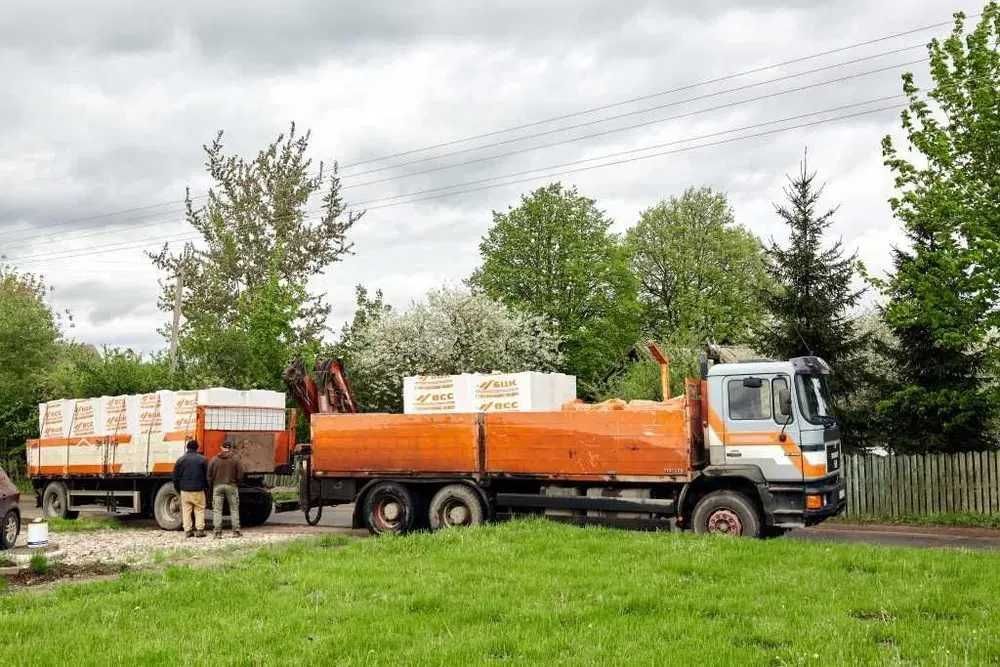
944 289
815 292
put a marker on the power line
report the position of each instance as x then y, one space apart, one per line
71 253
637 150
648 109
727 77
642 157
160 217
638 125
551 119
439 195
600 157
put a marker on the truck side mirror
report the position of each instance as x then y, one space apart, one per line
785 402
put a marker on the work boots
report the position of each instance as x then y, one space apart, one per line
237 533
190 533
200 533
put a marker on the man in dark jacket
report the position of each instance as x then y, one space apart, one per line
225 473
191 479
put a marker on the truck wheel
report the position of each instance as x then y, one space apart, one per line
389 508
55 502
727 513
9 529
255 507
167 507
455 505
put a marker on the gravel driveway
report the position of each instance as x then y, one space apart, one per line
138 547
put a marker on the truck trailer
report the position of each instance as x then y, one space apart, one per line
750 449
117 453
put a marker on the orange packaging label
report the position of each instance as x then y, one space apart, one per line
116 415
150 419
186 410
52 426
83 418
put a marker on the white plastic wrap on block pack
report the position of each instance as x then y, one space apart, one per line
494 392
522 392
144 416
436 394
220 415
54 418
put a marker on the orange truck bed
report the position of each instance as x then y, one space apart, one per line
647 444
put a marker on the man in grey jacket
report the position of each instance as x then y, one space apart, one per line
225 473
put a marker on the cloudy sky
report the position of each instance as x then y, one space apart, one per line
106 105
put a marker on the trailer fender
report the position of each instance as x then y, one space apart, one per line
746 478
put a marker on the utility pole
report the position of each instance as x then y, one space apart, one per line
178 297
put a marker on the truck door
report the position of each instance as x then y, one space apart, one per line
760 425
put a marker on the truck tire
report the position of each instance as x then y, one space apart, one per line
255 507
389 508
55 502
10 527
727 513
167 507
455 505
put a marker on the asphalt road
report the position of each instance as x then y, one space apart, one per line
338 519
902 536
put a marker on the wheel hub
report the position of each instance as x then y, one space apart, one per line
10 529
725 522
390 511
458 514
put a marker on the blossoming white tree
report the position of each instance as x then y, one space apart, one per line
453 331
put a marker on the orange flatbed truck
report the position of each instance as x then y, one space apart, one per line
750 449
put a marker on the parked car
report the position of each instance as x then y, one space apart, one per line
10 511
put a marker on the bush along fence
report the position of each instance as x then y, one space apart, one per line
896 486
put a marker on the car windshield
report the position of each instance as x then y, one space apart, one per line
814 398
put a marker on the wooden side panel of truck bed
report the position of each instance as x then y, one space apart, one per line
372 444
598 445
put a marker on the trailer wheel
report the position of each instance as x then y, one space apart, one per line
455 505
255 507
389 508
727 513
167 507
55 502
9 529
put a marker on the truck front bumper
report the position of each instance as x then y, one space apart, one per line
785 504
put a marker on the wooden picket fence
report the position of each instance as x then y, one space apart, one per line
922 484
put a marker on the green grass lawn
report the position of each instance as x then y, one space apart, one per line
527 592
84 524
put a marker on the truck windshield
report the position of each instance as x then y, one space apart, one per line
814 398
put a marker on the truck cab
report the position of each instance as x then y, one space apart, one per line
772 422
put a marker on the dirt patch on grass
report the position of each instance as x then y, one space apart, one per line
60 572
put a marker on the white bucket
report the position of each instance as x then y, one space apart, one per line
38 534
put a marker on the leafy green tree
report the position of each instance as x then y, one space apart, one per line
811 306
699 274
246 307
83 370
639 377
29 340
451 332
553 256
945 286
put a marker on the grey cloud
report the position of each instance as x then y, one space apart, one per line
114 99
